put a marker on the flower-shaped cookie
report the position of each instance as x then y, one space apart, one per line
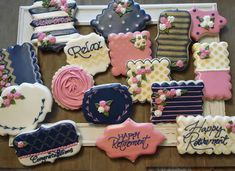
89 52
141 75
69 85
121 16
129 46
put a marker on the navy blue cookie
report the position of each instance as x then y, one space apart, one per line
24 63
171 99
107 104
121 16
47 143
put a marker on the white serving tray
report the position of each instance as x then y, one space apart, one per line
91 132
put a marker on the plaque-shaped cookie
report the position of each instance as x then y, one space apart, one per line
107 104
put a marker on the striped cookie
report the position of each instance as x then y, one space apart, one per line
173 38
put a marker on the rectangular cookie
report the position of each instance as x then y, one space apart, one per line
170 99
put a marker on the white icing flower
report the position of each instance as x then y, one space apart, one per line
178 92
1 101
46 38
171 19
139 77
138 67
101 109
137 44
158 113
211 24
123 10
124 1
162 27
162 97
134 86
203 24
207 18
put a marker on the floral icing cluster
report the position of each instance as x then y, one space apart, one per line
5 79
10 98
61 5
166 23
204 52
179 63
138 77
21 144
230 127
162 95
206 22
122 7
45 39
104 107
139 41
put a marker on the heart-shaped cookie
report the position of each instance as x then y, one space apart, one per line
23 107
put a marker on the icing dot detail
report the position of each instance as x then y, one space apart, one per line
138 16
102 28
110 26
110 16
221 21
194 10
197 33
123 22
97 22
127 29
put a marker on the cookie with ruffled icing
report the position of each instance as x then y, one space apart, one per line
170 99
173 38
142 73
121 16
89 52
206 23
129 46
53 23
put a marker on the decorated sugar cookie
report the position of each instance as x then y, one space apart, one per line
107 104
129 46
89 52
142 73
206 23
173 38
212 66
171 99
6 76
69 85
121 16
210 135
48 143
53 23
24 63
130 140
23 107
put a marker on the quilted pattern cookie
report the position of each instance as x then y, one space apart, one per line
129 46
89 52
173 38
170 99
48 143
206 23
53 23
121 16
142 73
212 66
209 135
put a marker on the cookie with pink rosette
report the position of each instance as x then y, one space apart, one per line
69 85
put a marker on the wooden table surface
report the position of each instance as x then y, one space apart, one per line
91 158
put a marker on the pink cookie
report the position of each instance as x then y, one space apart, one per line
205 23
217 84
129 46
130 139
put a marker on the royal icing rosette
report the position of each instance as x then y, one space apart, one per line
69 85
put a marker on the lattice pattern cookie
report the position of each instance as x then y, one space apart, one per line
141 74
206 135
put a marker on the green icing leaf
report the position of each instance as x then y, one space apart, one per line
144 77
97 105
109 102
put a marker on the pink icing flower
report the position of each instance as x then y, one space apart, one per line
168 24
10 96
7 102
63 2
2 67
102 103
53 2
7 85
148 70
20 144
17 95
52 39
168 93
172 92
180 63
161 108
137 90
163 20
106 108
2 83
41 36
4 77
233 129
160 92
158 101
140 71
119 8
134 80
228 126
125 5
